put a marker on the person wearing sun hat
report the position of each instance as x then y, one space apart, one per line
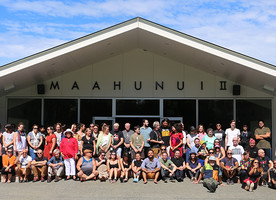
69 151
202 152
210 172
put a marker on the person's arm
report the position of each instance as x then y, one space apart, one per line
120 166
29 141
188 166
76 148
81 147
107 165
94 166
226 141
170 142
109 144
40 142
120 161
131 145
120 143
164 167
9 143
29 164
270 164
143 144
199 178
174 168
222 152
236 165
198 166
54 142
94 147
180 143
15 135
79 164
223 166
17 159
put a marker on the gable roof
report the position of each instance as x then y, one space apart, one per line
137 33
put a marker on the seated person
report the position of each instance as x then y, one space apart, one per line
244 164
137 143
87 166
136 167
8 169
237 150
193 166
167 168
151 167
101 166
266 163
126 167
252 149
23 168
272 176
39 166
210 172
113 167
202 152
180 164
55 166
229 166
254 173
163 148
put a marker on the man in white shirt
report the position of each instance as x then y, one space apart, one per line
24 166
237 150
230 133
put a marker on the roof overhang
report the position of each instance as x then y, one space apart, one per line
137 33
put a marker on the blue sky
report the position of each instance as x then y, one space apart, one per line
30 26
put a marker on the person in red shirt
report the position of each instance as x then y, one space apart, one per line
50 143
176 140
69 151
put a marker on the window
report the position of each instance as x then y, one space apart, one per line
212 112
60 110
27 111
137 107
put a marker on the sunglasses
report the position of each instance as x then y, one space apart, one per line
35 128
229 153
211 152
163 149
256 162
9 151
39 153
91 126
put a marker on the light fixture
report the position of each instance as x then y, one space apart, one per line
269 88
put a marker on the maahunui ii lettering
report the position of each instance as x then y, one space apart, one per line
137 85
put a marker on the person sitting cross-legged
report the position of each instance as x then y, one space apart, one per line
151 168
39 166
23 168
180 164
167 167
210 172
136 167
193 167
55 167
229 166
87 166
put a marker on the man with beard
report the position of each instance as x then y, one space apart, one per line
210 172
252 149
145 131
151 168
165 133
156 138
118 139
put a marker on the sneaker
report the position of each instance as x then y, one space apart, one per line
251 187
165 181
209 186
248 184
135 180
121 179
172 180
42 179
213 187
231 182
228 181
56 179
49 179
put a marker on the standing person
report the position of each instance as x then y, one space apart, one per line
23 169
20 139
252 149
118 139
42 131
8 169
55 167
136 167
165 133
266 163
127 133
245 136
201 132
193 166
151 168
156 139
220 135
95 132
237 150
137 143
39 166
88 142
209 138
81 129
145 130
7 138
263 136
69 151
35 140
176 140
254 173
190 141
59 134
79 135
87 166
113 167
230 133
104 141
179 162
91 127
229 166
185 133
101 162
50 143
167 168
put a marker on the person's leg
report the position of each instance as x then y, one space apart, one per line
43 171
115 173
119 152
111 172
144 174
164 174
197 174
67 168
156 177
4 174
188 154
181 174
35 172
50 172
72 167
19 173
32 153
27 173
243 175
60 171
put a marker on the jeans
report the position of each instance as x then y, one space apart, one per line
192 174
179 174
243 175
188 154
32 153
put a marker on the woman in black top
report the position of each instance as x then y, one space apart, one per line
113 167
255 171
126 168
88 142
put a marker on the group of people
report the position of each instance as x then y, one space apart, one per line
165 151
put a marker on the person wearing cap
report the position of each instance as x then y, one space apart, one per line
8 169
193 166
229 166
244 164
252 149
210 172
190 141
23 169
55 166
202 152
69 151
87 166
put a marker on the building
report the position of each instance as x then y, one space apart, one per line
134 70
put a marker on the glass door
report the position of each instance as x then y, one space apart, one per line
100 120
